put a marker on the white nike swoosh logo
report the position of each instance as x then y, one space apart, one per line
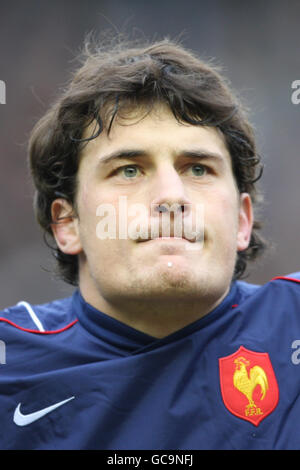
24 420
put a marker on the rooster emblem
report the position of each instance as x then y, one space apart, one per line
246 383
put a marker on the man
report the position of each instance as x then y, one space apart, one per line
145 173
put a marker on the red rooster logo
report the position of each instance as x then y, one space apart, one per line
246 383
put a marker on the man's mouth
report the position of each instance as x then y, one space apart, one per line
168 239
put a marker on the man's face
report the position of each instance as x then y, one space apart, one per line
153 161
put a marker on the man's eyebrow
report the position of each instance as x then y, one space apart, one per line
202 153
119 154
135 153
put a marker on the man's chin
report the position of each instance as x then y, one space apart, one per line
167 284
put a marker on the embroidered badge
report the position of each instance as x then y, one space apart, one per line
248 385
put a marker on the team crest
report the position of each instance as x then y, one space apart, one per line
248 385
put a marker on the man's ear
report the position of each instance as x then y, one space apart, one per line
65 227
245 222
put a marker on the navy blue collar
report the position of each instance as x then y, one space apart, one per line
118 335
124 339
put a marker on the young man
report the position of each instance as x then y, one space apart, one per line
145 174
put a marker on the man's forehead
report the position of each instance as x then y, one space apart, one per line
151 127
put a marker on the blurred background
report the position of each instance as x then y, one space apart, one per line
258 44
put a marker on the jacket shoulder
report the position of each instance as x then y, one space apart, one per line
47 317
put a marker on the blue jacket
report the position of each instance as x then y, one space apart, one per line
72 377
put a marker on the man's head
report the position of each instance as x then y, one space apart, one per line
163 103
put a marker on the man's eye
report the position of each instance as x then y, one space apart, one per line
129 171
198 170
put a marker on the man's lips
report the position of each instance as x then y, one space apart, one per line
168 239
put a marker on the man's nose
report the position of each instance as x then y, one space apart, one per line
168 192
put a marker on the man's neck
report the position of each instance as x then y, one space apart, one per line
155 317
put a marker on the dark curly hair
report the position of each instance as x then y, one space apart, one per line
111 79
